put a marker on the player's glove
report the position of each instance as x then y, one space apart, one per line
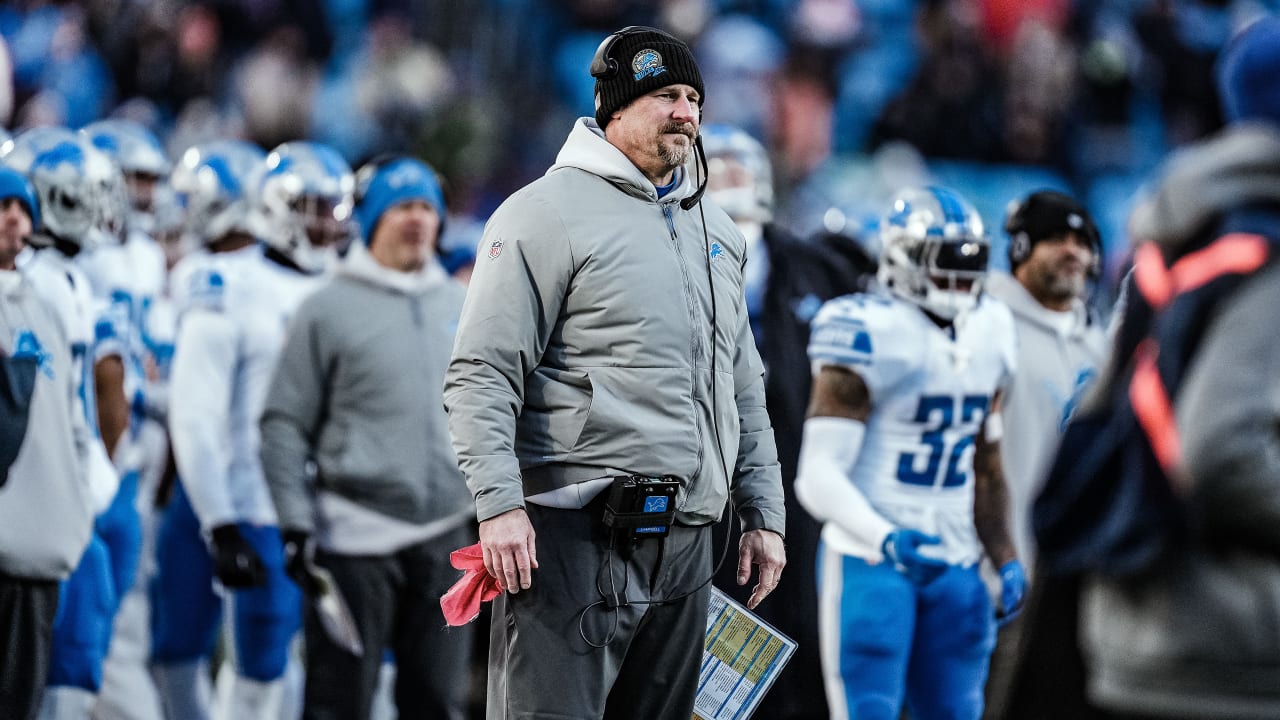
902 548
235 562
1013 592
297 558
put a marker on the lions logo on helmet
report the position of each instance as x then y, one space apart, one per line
306 198
210 182
934 251
54 159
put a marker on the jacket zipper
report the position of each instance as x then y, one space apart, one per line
695 345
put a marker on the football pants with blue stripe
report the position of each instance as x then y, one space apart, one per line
886 640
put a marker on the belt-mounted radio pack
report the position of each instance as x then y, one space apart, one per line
639 508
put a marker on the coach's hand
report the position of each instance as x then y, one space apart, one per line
766 549
509 551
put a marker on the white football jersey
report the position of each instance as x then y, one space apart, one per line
231 328
931 389
127 281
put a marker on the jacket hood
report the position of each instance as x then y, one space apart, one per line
587 149
1006 288
1238 167
360 265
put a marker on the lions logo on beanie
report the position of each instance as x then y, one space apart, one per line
637 60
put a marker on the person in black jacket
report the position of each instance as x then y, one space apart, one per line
787 280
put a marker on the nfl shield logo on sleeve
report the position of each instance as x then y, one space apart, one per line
495 249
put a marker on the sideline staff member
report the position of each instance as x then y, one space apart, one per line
605 301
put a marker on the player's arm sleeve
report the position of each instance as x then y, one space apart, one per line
1228 415
991 491
291 420
513 302
199 412
840 404
757 486
833 434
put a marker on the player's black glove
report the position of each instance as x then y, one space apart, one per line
297 559
235 562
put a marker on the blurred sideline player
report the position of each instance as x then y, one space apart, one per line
56 161
210 182
901 462
129 273
786 282
229 337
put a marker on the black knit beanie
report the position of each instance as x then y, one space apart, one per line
1042 215
638 61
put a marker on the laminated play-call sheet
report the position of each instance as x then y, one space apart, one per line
742 657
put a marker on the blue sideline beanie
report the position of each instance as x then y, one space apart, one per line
396 182
1249 73
14 184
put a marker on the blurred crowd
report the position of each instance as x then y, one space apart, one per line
994 96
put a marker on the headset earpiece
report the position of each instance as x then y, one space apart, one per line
364 174
1019 248
1019 241
604 67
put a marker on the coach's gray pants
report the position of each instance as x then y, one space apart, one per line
542 664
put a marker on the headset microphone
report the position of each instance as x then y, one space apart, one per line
700 155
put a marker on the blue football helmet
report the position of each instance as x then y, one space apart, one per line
55 160
305 201
142 160
739 175
213 184
934 251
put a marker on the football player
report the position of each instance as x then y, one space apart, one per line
128 271
230 332
210 182
900 461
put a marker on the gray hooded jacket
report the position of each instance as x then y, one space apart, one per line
357 391
1202 640
585 349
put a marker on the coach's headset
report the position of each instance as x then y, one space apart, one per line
605 67
1077 220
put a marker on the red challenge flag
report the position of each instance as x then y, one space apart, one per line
461 604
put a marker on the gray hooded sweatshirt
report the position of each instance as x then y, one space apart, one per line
585 345
1059 354
357 392
46 512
